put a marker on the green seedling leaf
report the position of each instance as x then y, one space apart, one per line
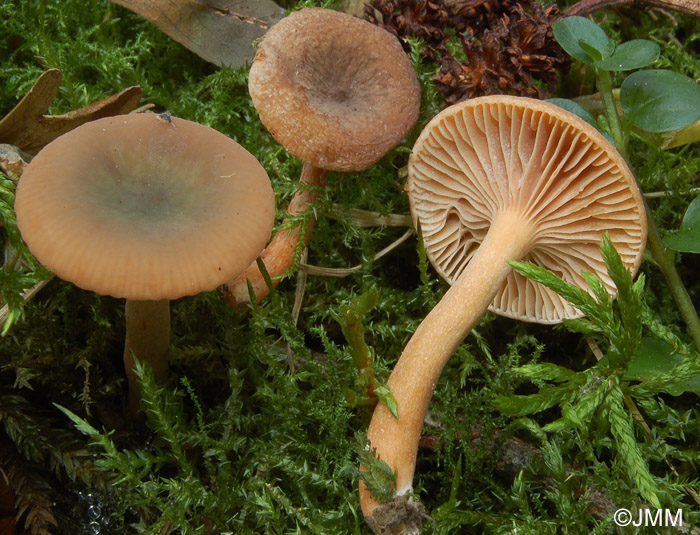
573 107
581 112
582 39
592 51
687 239
634 54
660 369
660 100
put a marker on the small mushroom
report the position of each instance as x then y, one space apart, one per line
147 209
336 92
490 180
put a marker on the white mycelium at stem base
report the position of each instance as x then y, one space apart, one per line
491 180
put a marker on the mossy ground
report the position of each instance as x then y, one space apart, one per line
253 433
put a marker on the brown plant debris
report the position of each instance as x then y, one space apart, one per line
29 128
586 7
219 31
12 163
508 46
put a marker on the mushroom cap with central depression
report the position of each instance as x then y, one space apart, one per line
334 90
145 207
557 173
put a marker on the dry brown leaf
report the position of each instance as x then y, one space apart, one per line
28 127
219 31
354 7
12 163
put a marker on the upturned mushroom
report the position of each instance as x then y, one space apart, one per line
336 92
149 208
490 180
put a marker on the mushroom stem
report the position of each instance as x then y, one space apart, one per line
147 337
418 369
279 254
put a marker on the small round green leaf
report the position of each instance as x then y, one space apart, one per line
655 358
573 107
631 55
660 100
595 54
687 239
580 111
573 32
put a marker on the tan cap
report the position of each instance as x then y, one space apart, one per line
145 207
497 154
334 90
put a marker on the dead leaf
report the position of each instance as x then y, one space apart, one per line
12 163
354 7
219 31
684 136
28 127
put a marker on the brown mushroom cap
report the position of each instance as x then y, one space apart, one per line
495 154
140 207
334 90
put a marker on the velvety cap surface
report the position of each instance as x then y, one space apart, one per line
140 207
499 153
334 90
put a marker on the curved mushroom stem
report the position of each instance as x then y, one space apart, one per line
147 337
279 254
417 371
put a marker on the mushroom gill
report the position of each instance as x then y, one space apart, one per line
560 179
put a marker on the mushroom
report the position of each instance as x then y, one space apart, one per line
338 93
490 180
149 208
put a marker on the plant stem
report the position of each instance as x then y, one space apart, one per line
663 257
604 81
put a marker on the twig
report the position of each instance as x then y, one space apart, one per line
300 287
366 218
586 7
344 272
26 295
660 194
